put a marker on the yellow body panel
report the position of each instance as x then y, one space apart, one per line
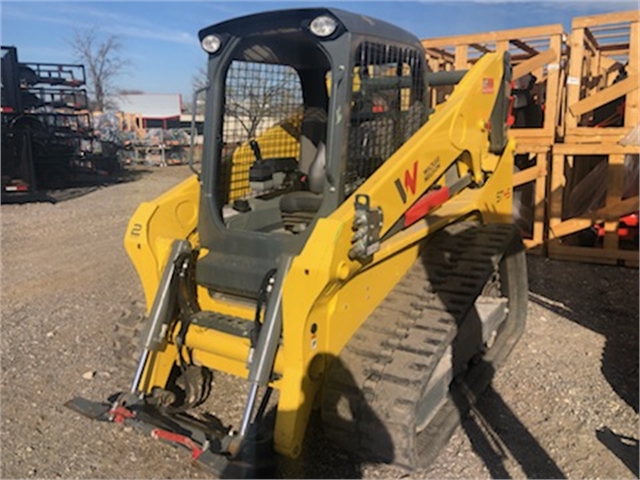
153 228
323 286
281 140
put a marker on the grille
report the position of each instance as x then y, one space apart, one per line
386 109
263 102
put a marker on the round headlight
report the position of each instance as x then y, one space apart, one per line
211 43
323 26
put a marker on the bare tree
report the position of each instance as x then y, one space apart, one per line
260 101
103 61
198 81
255 100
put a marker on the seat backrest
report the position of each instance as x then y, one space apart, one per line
313 132
317 169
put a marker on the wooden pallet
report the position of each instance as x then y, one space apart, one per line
600 46
570 164
534 179
576 75
537 50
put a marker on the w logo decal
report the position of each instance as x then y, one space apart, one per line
409 184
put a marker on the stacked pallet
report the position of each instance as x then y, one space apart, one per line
594 161
585 88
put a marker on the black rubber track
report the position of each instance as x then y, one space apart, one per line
371 394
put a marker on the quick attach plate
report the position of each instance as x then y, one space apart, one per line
204 436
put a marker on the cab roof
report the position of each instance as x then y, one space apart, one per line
285 20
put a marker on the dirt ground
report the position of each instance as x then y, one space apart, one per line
564 405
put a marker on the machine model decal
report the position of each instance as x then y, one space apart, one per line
431 169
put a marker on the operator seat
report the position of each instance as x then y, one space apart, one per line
300 207
313 131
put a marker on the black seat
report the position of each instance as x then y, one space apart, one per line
300 207
300 202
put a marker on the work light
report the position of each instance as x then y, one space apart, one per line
323 26
211 43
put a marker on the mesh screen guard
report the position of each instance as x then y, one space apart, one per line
263 103
265 118
386 109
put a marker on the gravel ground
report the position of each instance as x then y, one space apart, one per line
564 405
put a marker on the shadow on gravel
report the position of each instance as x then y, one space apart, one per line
319 457
494 430
623 447
596 298
74 187
603 299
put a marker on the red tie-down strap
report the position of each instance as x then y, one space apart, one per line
160 434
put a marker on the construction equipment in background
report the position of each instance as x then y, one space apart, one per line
47 135
345 248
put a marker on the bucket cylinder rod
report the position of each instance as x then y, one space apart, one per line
157 324
267 345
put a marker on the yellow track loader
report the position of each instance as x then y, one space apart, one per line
344 244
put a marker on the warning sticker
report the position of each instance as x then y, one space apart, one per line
487 85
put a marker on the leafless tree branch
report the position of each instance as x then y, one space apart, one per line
253 101
103 60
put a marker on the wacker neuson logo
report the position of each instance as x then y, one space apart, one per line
410 181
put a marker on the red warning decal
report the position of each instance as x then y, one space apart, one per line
487 85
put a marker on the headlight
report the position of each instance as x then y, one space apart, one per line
211 43
323 26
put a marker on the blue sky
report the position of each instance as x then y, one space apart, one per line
160 38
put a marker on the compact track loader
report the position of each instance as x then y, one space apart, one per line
343 245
